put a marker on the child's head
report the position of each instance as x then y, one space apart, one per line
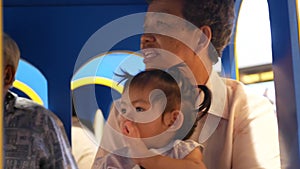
152 100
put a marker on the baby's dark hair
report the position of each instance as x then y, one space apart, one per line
179 91
156 79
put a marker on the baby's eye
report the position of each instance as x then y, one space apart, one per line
123 111
139 109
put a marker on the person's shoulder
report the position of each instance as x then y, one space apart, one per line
239 88
246 101
30 107
234 86
24 103
226 88
237 92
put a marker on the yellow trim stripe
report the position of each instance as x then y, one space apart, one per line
236 60
28 91
97 80
298 15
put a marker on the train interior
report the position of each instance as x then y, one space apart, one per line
62 52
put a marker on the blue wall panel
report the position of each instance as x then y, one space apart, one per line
51 37
286 66
69 2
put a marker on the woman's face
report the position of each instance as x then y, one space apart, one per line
167 38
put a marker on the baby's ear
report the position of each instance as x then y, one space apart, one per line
176 120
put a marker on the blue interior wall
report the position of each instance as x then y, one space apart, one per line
51 34
286 66
71 2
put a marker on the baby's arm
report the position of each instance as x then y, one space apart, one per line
191 161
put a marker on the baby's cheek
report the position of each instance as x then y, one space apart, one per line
148 116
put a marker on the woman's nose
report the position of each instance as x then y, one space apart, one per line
147 40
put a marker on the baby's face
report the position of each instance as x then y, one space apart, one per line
144 109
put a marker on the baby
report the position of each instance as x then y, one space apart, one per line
157 115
